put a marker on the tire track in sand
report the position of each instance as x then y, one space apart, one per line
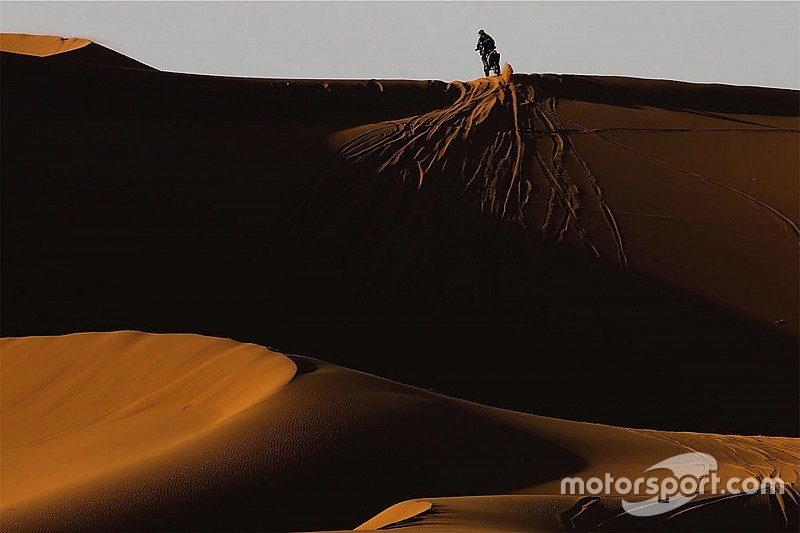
484 149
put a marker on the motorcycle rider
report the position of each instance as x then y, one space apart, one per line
485 46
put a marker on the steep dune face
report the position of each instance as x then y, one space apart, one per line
181 432
634 239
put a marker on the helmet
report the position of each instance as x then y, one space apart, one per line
481 31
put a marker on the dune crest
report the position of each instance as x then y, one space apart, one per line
39 45
395 514
520 513
83 405
53 48
109 431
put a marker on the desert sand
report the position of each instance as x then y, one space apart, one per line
134 431
584 226
39 45
445 258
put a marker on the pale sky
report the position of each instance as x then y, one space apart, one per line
743 43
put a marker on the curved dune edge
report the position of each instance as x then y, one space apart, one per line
109 400
397 513
39 45
522 513
133 431
486 514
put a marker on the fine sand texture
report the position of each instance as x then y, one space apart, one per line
135 431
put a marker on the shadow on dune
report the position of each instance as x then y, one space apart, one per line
348 483
126 204
496 317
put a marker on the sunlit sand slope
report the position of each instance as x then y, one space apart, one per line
85 406
39 45
131 431
524 514
65 49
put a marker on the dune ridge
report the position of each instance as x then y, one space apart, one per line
39 45
521 514
288 434
85 405
60 49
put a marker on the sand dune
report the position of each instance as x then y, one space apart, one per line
39 45
66 49
583 226
615 183
521 514
614 251
164 432
80 406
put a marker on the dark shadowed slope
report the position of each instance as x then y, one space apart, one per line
628 246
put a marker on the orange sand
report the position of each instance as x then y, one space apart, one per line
598 249
39 45
127 430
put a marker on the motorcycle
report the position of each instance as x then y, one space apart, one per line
491 63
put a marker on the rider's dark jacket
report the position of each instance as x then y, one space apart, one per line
485 44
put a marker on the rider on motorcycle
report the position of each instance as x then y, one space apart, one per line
485 46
